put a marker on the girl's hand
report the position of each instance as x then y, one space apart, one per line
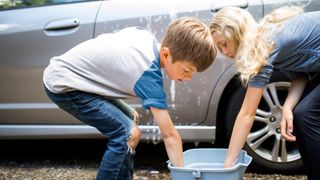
286 125
228 165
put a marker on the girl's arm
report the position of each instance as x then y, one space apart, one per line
294 95
243 124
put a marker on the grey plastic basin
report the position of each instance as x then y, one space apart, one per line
207 164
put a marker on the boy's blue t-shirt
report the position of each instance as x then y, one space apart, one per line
148 84
122 64
297 49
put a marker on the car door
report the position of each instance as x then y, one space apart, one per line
31 32
188 101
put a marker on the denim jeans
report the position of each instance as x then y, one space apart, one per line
307 128
101 113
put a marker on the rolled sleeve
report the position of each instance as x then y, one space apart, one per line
156 103
262 78
150 89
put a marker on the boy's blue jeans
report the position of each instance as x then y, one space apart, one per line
101 113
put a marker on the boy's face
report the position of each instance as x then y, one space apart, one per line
180 70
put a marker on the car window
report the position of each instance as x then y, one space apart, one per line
15 4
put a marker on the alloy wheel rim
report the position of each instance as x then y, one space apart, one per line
265 137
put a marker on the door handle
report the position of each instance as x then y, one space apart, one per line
218 4
62 24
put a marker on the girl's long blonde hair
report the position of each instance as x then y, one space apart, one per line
252 39
231 23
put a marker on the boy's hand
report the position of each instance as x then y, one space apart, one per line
135 137
136 117
136 134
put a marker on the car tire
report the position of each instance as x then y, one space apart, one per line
267 135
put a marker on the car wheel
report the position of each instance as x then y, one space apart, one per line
264 142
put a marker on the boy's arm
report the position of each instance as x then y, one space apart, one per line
170 135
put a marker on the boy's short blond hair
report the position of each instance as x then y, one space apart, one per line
189 39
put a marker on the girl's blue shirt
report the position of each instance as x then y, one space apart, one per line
297 49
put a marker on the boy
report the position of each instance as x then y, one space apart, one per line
87 80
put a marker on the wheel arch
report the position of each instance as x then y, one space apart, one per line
218 99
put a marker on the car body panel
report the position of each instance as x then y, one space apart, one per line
31 36
26 48
155 18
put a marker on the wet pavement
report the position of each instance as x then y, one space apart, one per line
79 159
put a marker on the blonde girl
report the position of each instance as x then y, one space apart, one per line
288 40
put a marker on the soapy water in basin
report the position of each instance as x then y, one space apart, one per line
205 165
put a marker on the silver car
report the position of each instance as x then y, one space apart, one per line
203 110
